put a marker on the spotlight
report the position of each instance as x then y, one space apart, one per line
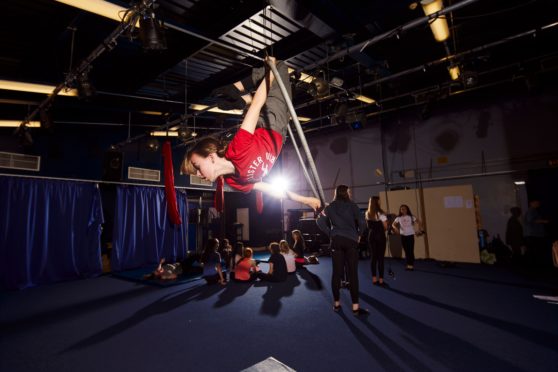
84 87
340 112
152 145
454 72
184 133
338 82
152 34
24 135
439 24
470 78
322 87
46 118
359 122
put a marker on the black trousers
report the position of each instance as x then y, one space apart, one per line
377 245
408 243
344 253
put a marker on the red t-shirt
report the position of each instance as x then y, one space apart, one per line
243 269
253 156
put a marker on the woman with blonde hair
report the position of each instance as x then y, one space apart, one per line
289 256
246 268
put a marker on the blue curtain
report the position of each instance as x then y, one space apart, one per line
143 232
50 231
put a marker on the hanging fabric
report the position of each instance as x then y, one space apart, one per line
170 192
219 201
142 232
51 231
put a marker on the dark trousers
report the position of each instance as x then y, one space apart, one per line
275 113
408 243
344 251
377 244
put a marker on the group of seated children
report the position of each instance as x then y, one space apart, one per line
239 261
283 261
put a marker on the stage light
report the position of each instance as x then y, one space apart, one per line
184 132
438 24
519 183
152 34
46 118
359 121
152 145
340 112
24 135
470 78
454 72
84 87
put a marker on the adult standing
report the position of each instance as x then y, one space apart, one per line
342 222
376 222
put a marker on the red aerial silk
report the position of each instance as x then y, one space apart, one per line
170 192
219 201
259 202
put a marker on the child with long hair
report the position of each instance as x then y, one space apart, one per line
246 269
211 261
404 225
289 256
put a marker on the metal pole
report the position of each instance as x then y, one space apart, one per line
306 175
300 132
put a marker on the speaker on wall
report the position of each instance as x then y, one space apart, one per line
112 166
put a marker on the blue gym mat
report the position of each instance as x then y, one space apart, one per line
136 275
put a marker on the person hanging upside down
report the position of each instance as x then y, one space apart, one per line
249 157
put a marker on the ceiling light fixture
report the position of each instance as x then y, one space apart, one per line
197 107
364 99
34 88
17 123
454 72
99 7
438 23
164 133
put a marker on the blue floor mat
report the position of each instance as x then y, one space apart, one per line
261 256
136 275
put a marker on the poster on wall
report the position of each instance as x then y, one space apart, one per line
453 202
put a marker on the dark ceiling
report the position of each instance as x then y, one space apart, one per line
496 43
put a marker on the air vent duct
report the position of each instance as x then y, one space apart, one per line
144 174
12 160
